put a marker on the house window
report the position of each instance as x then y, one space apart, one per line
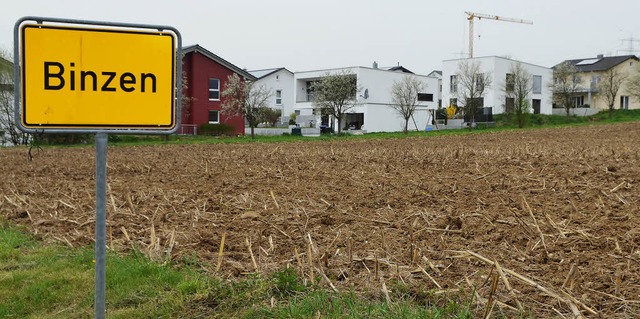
510 82
214 89
537 84
578 101
278 97
453 102
624 102
453 85
509 104
214 117
480 84
425 97
535 104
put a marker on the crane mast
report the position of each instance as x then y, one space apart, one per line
472 15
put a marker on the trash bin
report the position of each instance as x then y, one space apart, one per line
296 131
325 129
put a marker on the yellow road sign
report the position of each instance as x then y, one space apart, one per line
97 78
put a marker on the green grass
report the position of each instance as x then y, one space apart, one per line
502 122
541 120
54 281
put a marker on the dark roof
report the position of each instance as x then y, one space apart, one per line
259 74
398 68
598 63
225 63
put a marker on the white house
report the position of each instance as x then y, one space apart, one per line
498 69
438 74
280 82
373 112
6 99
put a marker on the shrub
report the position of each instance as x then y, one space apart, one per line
292 118
63 139
216 129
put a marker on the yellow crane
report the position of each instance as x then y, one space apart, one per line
471 16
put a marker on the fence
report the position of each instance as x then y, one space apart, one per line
188 129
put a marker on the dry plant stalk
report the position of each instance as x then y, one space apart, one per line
376 267
428 276
113 201
385 291
569 300
253 258
152 244
170 244
220 252
322 274
300 268
274 199
310 258
569 279
126 235
508 285
526 205
350 252
130 203
490 303
618 279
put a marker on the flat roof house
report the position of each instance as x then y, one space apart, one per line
498 70
373 112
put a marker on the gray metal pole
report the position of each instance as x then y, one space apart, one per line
101 225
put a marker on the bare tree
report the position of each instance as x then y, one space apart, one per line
245 99
472 85
566 83
516 90
336 94
404 97
633 84
187 98
8 126
610 83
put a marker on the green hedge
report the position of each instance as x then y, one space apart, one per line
216 129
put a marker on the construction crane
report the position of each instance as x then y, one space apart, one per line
471 16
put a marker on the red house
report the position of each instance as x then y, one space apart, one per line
206 76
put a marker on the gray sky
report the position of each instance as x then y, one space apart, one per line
307 35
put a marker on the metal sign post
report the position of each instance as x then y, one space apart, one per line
89 77
101 225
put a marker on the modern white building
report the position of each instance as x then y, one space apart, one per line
498 69
280 82
373 112
438 74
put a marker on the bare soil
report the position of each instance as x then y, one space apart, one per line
541 220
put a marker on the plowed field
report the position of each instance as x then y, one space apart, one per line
550 218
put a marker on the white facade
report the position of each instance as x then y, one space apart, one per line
438 74
280 82
497 68
373 112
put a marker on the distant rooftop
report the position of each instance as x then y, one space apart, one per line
262 73
599 63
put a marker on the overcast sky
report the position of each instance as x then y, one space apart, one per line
419 34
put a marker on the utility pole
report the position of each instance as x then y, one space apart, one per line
631 41
471 16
